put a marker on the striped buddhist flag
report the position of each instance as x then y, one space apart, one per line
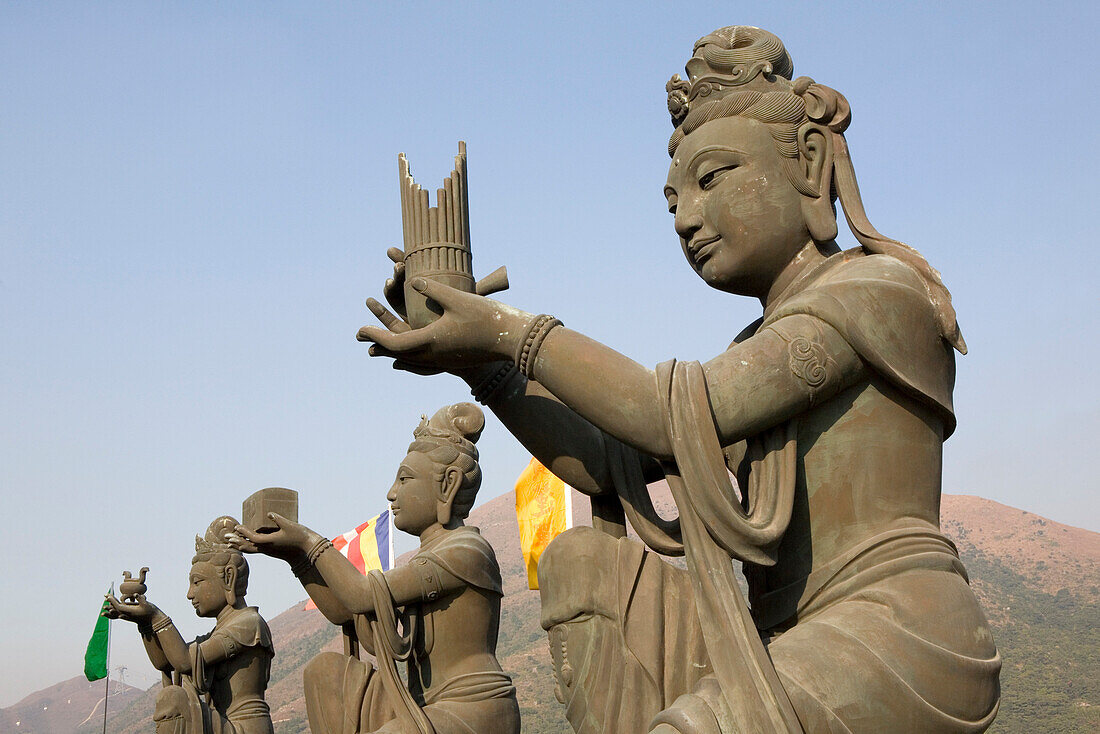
544 509
369 547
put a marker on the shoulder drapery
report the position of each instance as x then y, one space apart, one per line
880 307
242 629
466 555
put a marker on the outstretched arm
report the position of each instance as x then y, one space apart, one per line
293 543
755 384
163 644
565 443
416 582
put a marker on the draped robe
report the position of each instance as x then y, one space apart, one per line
861 617
363 697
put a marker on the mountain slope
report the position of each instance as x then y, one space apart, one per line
63 707
1038 580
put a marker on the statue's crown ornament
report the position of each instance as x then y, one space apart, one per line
216 539
458 425
731 59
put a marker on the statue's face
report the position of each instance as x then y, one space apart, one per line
415 494
206 590
739 218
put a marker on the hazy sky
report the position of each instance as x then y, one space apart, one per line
196 199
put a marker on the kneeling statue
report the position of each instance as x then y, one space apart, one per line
439 613
216 684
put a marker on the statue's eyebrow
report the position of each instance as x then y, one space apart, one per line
712 149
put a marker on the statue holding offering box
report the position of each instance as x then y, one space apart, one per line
439 613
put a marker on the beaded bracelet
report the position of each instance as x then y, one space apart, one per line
318 548
489 386
536 335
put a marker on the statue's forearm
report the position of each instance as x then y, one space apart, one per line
152 649
339 584
170 646
604 388
322 594
565 443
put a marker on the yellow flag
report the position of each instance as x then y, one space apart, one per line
544 509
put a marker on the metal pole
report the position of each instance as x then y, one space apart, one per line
107 680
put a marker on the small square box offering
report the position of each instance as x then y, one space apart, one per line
255 509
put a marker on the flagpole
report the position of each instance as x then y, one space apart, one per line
107 679
389 521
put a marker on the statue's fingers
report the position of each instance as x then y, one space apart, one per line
246 534
116 606
403 343
396 254
245 546
394 290
383 314
444 295
279 520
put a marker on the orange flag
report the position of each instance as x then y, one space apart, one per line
544 510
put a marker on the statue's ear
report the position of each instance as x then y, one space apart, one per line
815 147
452 480
229 577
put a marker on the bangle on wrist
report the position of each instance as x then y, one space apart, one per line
317 549
492 383
537 332
161 624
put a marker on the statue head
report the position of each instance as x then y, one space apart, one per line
742 210
219 572
438 480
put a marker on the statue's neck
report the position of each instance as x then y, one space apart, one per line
228 611
799 266
438 531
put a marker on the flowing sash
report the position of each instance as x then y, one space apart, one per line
715 527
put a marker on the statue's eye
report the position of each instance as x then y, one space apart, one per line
707 179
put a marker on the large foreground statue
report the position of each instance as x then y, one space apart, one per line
216 684
439 613
831 410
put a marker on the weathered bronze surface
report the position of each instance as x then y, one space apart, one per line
440 613
831 411
216 684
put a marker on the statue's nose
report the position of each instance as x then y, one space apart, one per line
688 221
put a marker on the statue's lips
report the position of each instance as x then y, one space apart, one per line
700 249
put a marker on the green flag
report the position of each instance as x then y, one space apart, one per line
95 658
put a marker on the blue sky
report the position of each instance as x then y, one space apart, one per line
196 199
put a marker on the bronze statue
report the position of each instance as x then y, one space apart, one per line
216 684
831 411
439 613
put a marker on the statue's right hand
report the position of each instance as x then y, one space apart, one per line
287 543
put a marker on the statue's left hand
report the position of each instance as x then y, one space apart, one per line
138 611
472 330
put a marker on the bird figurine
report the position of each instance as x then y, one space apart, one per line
130 588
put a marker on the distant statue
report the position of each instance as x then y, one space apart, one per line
831 411
216 684
440 613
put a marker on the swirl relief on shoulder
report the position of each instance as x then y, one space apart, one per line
808 360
